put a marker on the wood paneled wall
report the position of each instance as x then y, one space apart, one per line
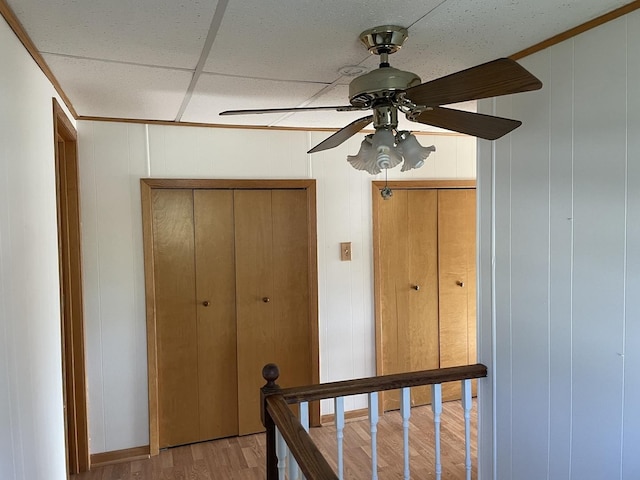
559 309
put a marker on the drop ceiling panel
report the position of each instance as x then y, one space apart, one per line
115 90
302 39
150 32
216 93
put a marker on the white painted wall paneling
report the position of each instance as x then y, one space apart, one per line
32 444
564 318
631 359
599 249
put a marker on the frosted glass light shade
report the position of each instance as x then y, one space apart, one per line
365 158
383 150
414 154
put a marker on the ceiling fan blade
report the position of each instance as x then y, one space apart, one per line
476 124
499 77
340 108
343 134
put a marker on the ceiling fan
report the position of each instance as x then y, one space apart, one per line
387 91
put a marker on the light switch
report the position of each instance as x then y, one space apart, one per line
345 251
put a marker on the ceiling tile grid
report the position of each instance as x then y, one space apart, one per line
166 33
268 53
115 90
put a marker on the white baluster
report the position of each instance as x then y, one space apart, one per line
436 408
373 428
293 468
405 412
304 420
467 404
339 414
281 453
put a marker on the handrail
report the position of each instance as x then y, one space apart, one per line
384 382
276 413
310 459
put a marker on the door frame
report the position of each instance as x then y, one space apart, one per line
376 187
147 185
71 306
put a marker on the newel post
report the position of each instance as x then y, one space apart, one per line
270 373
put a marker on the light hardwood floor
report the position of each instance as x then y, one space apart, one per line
242 458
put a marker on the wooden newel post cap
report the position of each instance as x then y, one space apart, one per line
270 372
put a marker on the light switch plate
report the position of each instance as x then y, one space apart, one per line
345 251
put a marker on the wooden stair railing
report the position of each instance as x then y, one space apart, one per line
277 416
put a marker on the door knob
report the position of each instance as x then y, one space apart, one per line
459 283
206 303
416 287
266 299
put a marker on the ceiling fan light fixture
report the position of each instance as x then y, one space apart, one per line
365 158
383 150
414 154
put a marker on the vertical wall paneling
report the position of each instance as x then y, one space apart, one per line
485 292
529 221
502 321
560 94
564 219
32 444
112 158
631 429
599 249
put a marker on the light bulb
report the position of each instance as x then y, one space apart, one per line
385 150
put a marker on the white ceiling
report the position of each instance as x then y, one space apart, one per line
188 60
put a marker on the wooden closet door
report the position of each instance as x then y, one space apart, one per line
291 286
272 286
195 311
457 240
216 313
176 330
254 300
407 229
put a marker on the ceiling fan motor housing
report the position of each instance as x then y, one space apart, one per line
384 39
379 83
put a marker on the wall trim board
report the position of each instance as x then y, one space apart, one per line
422 184
119 456
207 183
349 415
561 37
71 296
146 187
18 29
232 126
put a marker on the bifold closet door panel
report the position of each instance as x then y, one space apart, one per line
216 313
174 267
408 254
272 294
456 232
291 286
255 299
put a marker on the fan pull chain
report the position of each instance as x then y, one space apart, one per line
386 192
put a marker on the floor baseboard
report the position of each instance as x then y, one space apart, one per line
117 456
